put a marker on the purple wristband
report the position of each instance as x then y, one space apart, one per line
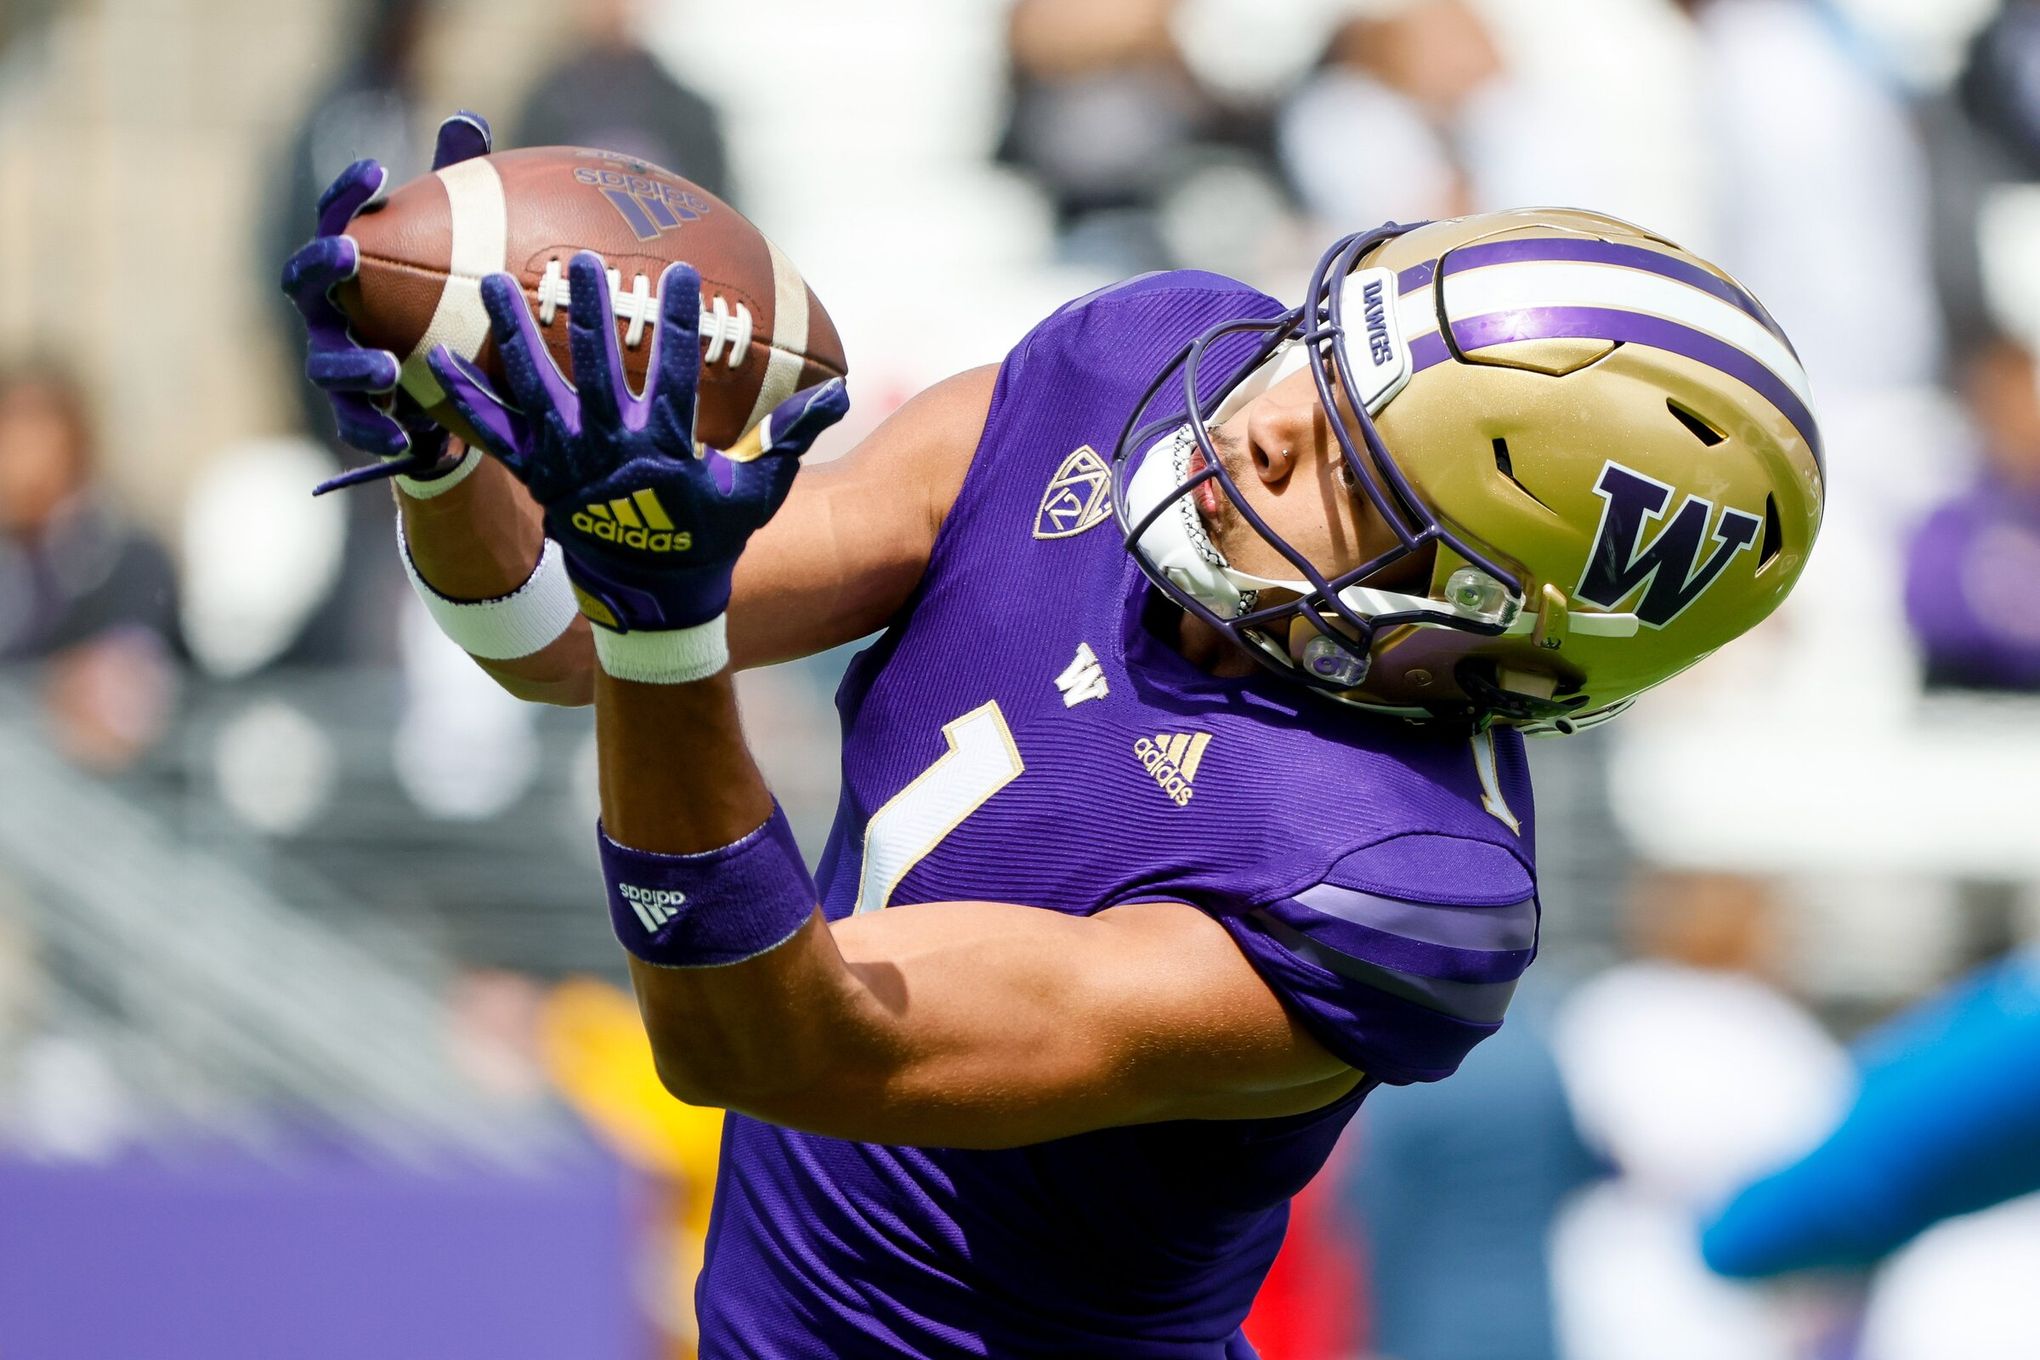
720 906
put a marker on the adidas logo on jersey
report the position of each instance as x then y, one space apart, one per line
654 906
1173 761
1083 678
633 521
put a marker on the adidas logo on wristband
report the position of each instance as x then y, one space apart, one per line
654 906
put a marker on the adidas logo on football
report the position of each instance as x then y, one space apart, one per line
633 521
1173 761
1083 678
654 906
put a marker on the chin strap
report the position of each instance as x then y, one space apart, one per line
1476 678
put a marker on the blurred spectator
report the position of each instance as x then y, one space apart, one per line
82 589
1113 122
1969 581
1453 1189
1312 1305
21 987
372 109
1820 183
1689 1070
614 94
1999 87
1398 84
60 1097
1945 1123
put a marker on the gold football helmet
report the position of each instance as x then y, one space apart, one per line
1602 445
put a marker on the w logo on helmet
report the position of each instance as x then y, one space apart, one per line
1668 569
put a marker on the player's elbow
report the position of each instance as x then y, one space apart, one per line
779 1093
690 1083
763 1065
799 1074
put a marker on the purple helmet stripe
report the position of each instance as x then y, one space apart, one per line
1415 277
1604 323
1427 349
1610 252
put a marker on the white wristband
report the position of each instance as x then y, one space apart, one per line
526 620
667 657
445 482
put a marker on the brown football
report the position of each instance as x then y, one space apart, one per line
425 249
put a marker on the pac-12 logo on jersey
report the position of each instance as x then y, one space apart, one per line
1076 498
1669 569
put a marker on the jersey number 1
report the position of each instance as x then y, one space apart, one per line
980 761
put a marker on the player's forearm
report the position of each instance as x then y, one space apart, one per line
676 776
481 540
478 541
677 779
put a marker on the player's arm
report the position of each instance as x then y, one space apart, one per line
836 563
969 1024
985 1024
992 1024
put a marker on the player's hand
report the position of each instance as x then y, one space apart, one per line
374 415
651 524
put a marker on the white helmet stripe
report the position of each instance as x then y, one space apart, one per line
1528 285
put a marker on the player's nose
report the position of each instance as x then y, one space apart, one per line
1281 428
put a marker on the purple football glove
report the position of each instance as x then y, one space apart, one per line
374 415
651 525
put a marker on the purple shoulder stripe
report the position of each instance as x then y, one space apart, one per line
1508 927
1455 943
1478 1002
1362 939
1383 1035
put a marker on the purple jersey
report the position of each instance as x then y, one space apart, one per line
1021 735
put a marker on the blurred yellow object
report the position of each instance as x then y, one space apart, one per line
594 1048
593 1045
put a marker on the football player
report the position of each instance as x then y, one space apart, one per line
1184 798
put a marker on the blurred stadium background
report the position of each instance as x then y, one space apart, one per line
311 1036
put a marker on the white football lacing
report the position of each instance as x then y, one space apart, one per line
721 325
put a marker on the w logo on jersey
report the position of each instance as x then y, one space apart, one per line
1668 569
